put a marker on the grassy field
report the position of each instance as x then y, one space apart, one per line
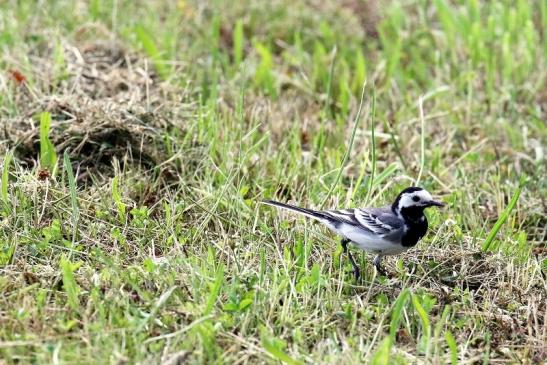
138 137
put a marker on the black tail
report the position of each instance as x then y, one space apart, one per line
307 212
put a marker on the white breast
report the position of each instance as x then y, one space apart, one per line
370 242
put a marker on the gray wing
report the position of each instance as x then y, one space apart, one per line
380 221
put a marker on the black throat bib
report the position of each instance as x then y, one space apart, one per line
416 224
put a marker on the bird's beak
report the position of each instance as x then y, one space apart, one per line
433 203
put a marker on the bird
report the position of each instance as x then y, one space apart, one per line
387 230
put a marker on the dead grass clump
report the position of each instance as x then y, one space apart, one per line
104 69
94 132
367 12
106 105
489 288
498 292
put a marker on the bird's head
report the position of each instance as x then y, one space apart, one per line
415 200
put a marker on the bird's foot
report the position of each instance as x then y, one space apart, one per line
356 271
357 274
381 270
377 264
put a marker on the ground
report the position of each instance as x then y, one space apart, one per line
138 138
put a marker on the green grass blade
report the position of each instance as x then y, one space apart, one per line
72 188
360 73
95 9
116 196
5 177
157 305
48 156
69 283
421 100
421 313
152 51
396 145
426 324
263 76
239 42
447 19
327 108
503 217
382 354
397 312
384 175
275 347
373 143
60 71
350 146
214 291
422 139
452 346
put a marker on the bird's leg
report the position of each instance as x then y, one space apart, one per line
377 261
356 271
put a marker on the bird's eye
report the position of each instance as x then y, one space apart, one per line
416 198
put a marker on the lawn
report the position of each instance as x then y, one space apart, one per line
138 138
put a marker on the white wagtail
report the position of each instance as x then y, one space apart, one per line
384 231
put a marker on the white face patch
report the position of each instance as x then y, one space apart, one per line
415 199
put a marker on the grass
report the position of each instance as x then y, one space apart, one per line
145 243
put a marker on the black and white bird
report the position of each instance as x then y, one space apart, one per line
383 231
